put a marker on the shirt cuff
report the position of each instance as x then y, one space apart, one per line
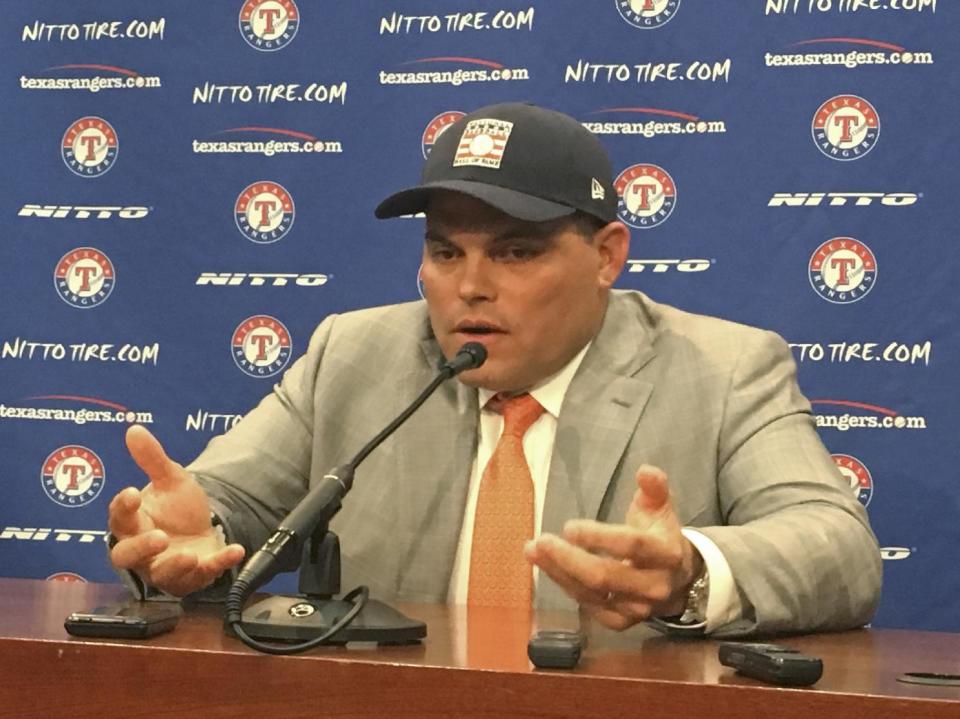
723 601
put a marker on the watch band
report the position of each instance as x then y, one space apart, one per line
695 611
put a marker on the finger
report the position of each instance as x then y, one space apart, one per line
123 514
623 542
611 618
205 573
654 491
651 501
592 579
190 582
222 560
149 455
541 553
634 610
610 609
138 550
171 568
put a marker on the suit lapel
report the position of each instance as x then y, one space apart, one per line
597 420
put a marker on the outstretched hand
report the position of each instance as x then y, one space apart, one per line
626 573
163 531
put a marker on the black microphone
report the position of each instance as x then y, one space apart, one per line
281 552
470 356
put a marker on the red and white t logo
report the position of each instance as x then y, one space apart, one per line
74 470
262 342
644 191
845 122
842 265
268 15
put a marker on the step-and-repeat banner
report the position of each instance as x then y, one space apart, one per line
189 190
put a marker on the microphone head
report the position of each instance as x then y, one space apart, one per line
477 352
469 356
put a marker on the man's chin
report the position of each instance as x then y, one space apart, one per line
488 378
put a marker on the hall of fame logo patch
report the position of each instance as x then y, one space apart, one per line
842 270
264 212
84 277
482 143
436 127
269 25
647 14
72 476
846 127
261 346
857 474
646 196
89 147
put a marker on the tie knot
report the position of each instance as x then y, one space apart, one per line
519 412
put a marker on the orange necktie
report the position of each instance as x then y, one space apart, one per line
503 521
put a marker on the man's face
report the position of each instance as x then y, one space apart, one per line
532 293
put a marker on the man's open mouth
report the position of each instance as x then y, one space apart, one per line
478 328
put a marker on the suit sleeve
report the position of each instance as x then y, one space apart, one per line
798 542
258 471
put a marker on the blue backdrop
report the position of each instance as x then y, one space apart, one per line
190 190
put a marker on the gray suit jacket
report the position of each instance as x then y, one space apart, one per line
713 403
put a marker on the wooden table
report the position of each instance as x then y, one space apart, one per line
197 671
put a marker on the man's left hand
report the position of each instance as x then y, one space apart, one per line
623 574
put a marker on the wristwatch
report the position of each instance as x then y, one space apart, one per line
695 612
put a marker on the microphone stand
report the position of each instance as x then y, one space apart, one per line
315 611
314 616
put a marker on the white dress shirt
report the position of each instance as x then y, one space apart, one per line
723 603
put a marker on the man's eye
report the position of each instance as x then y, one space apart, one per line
518 252
441 254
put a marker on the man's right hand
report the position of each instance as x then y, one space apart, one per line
163 531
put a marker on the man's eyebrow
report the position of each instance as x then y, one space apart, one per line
541 232
535 232
436 237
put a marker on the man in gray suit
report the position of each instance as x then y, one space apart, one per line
678 476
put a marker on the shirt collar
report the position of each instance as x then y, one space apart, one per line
551 391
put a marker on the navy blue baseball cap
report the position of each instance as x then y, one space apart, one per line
529 162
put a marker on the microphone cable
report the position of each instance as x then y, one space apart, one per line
361 594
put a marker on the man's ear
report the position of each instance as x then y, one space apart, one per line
613 245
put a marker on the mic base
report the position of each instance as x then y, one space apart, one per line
300 618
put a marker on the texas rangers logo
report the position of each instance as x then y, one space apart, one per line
647 196
842 270
89 147
72 476
261 346
857 474
436 127
482 143
264 212
269 25
647 14
846 127
84 277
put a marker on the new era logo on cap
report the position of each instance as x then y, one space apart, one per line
482 143
596 189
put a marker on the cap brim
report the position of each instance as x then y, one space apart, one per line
513 203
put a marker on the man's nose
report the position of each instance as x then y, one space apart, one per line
476 280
